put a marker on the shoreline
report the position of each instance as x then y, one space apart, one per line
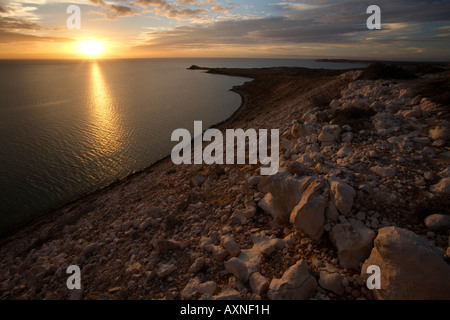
49 215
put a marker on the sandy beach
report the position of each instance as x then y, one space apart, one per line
364 180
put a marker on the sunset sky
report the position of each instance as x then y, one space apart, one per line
412 30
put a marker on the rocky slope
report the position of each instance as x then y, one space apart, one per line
364 180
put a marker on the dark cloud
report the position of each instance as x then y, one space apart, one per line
411 11
3 8
317 22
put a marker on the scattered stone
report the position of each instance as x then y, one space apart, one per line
387 172
231 246
332 282
254 180
344 152
445 173
438 222
168 245
197 265
133 267
330 133
219 253
198 180
228 294
342 195
442 132
259 283
165 270
90 249
442 187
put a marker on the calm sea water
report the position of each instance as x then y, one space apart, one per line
68 128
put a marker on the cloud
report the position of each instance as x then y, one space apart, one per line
325 23
8 37
17 25
111 12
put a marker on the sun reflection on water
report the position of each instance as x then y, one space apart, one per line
103 114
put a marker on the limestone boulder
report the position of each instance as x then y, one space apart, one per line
411 267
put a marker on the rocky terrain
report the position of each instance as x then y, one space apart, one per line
364 180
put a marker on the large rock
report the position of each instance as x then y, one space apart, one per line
283 193
411 267
297 283
308 216
342 195
353 241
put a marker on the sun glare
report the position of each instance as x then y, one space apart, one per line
91 48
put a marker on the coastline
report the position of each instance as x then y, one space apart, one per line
187 232
48 215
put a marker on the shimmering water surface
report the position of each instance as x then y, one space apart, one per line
70 127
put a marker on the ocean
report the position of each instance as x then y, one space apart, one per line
70 127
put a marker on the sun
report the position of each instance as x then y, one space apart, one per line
91 48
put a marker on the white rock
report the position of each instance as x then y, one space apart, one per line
259 283
411 267
231 246
190 289
342 195
309 215
283 193
353 241
197 265
297 283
